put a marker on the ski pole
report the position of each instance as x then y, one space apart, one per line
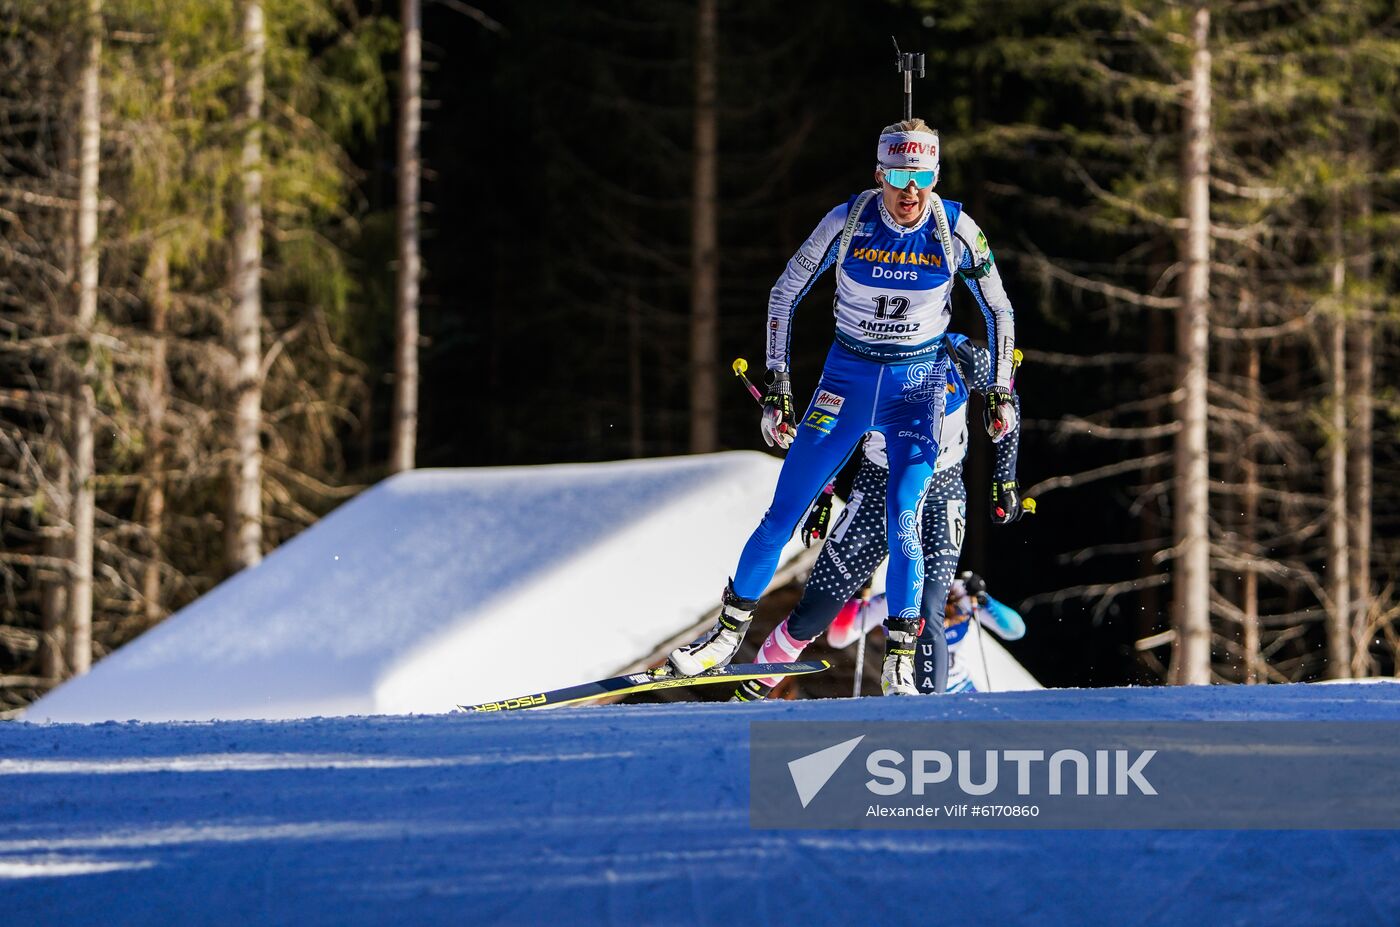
860 658
1028 503
982 649
741 367
860 641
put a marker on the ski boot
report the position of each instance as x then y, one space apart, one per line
718 646
750 690
902 635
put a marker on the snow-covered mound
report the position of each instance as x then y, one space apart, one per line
992 667
436 588
618 815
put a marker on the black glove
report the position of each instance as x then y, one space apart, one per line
818 520
975 586
999 413
779 424
1006 502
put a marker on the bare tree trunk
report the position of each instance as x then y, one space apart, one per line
1359 479
704 253
53 642
85 404
1191 592
155 463
1249 506
159 278
246 548
58 544
405 428
1338 572
1227 520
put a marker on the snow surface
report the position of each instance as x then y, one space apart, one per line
626 815
444 587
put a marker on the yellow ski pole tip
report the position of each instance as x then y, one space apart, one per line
1017 356
740 365
1028 506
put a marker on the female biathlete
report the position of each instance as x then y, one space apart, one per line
857 543
896 250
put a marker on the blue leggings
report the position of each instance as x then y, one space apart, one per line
856 547
904 400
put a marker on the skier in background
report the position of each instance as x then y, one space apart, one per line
896 250
967 599
857 542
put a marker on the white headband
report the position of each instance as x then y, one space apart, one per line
915 150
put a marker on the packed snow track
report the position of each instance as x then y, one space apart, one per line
615 815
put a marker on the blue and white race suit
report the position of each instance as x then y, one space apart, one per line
886 372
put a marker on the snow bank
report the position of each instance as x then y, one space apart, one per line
435 588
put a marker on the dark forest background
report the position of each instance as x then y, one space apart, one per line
556 222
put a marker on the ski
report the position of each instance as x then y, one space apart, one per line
648 682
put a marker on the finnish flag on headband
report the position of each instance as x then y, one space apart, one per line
916 151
